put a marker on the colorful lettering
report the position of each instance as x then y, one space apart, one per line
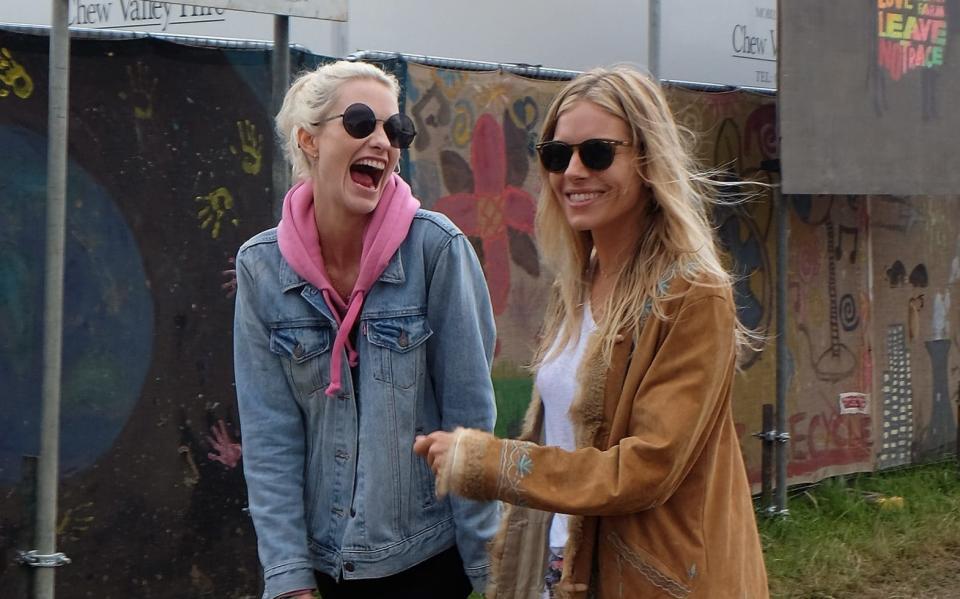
913 35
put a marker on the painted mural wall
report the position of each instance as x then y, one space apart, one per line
170 172
474 160
830 376
916 271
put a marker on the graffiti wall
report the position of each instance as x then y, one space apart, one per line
831 385
474 160
169 171
170 162
916 270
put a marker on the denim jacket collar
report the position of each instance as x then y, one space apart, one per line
289 279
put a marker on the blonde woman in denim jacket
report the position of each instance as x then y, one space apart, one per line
361 321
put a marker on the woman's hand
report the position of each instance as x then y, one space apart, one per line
434 447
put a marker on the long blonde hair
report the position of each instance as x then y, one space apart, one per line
678 238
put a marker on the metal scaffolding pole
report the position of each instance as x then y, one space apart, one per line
783 366
783 362
48 466
653 38
280 68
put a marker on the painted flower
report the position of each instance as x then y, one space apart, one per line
490 207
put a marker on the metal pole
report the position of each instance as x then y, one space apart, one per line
766 460
783 222
23 579
653 38
48 466
280 67
782 364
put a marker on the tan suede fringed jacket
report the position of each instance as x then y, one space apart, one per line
657 485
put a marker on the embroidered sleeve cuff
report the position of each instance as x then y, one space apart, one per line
463 472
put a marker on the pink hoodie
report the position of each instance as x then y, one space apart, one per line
300 246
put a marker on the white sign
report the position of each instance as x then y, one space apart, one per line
150 15
134 14
854 403
729 42
330 10
138 14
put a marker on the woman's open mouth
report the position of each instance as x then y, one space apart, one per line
367 172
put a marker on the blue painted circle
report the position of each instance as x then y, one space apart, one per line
107 312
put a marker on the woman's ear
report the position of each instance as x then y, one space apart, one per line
307 142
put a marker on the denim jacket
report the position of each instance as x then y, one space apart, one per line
333 482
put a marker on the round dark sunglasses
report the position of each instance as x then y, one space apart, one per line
360 122
595 154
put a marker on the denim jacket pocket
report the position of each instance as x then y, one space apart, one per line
426 481
400 342
305 348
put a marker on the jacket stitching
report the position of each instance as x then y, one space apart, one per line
515 465
651 573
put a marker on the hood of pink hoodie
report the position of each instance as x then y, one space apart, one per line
300 246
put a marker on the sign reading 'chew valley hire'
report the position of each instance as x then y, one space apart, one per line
331 10
97 13
148 14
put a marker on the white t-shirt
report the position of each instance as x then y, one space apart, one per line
556 383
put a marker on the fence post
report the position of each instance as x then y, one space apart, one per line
280 72
24 539
766 463
767 436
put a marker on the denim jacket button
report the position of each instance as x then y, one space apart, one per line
403 340
348 566
298 351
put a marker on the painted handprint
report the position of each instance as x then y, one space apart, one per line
192 477
251 145
225 449
142 87
75 521
216 204
14 75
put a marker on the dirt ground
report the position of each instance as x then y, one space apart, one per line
936 576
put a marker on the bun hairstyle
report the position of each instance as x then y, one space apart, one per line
309 100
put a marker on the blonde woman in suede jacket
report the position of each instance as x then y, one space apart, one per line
627 480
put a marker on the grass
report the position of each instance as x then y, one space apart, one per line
846 538
513 397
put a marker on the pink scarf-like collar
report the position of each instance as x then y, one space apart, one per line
300 246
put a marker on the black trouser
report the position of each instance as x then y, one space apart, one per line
440 577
